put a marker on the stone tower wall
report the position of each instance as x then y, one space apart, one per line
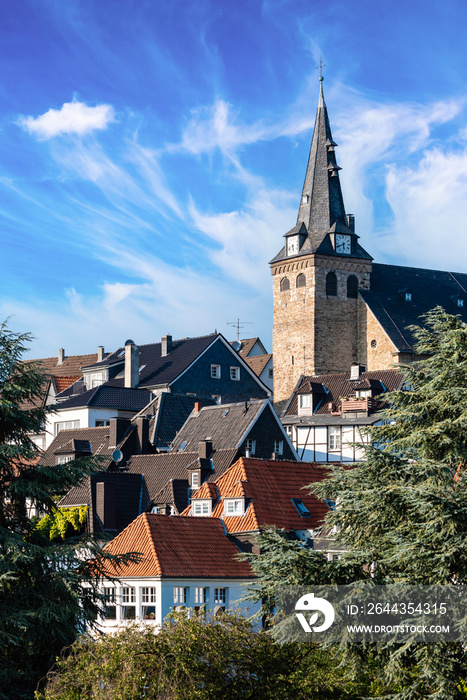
313 333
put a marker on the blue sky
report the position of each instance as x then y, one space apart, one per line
152 154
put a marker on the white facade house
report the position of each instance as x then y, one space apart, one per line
185 563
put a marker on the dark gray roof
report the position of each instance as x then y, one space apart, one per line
321 209
106 396
67 442
225 425
159 469
128 498
428 288
170 412
175 493
158 370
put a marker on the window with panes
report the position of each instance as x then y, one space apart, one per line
128 603
148 600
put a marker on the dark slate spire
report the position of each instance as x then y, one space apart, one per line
322 205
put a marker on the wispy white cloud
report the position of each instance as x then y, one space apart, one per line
427 202
72 118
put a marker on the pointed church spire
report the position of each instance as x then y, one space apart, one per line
322 205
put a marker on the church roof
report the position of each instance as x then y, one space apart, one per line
399 295
321 209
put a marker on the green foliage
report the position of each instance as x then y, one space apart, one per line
57 523
47 591
403 510
192 659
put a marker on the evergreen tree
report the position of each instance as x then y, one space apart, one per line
47 592
402 512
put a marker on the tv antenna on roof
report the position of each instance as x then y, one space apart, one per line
238 324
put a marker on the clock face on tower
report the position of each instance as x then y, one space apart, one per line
292 245
343 243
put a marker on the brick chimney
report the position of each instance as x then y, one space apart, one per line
118 427
142 428
61 356
166 345
106 504
100 353
131 365
198 406
204 449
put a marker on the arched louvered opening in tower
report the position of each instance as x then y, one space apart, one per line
331 284
301 280
352 287
285 284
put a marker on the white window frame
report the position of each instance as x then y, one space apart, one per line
334 437
110 603
215 371
278 447
220 596
201 595
217 399
128 595
180 595
63 459
235 374
148 602
234 506
304 400
201 508
65 425
250 445
195 480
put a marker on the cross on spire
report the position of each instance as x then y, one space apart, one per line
320 68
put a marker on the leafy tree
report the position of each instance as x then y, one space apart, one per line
402 513
46 590
193 659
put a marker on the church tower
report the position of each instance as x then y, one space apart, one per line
317 274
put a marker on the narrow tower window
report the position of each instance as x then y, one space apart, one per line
331 284
301 280
285 284
352 287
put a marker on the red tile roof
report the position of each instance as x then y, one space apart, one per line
176 546
257 363
268 487
64 382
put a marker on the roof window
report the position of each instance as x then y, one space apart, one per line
183 445
301 507
330 504
457 301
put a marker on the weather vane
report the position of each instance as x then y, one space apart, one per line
320 68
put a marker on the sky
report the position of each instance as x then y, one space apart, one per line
152 154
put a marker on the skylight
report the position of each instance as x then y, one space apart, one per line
330 504
301 507
183 445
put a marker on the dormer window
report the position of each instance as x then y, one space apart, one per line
301 507
195 480
234 506
305 198
200 507
304 400
63 459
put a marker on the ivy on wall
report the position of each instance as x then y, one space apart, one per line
56 523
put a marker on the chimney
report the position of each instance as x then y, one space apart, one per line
61 356
131 365
355 370
247 454
166 345
142 429
118 427
198 406
204 449
100 353
106 504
